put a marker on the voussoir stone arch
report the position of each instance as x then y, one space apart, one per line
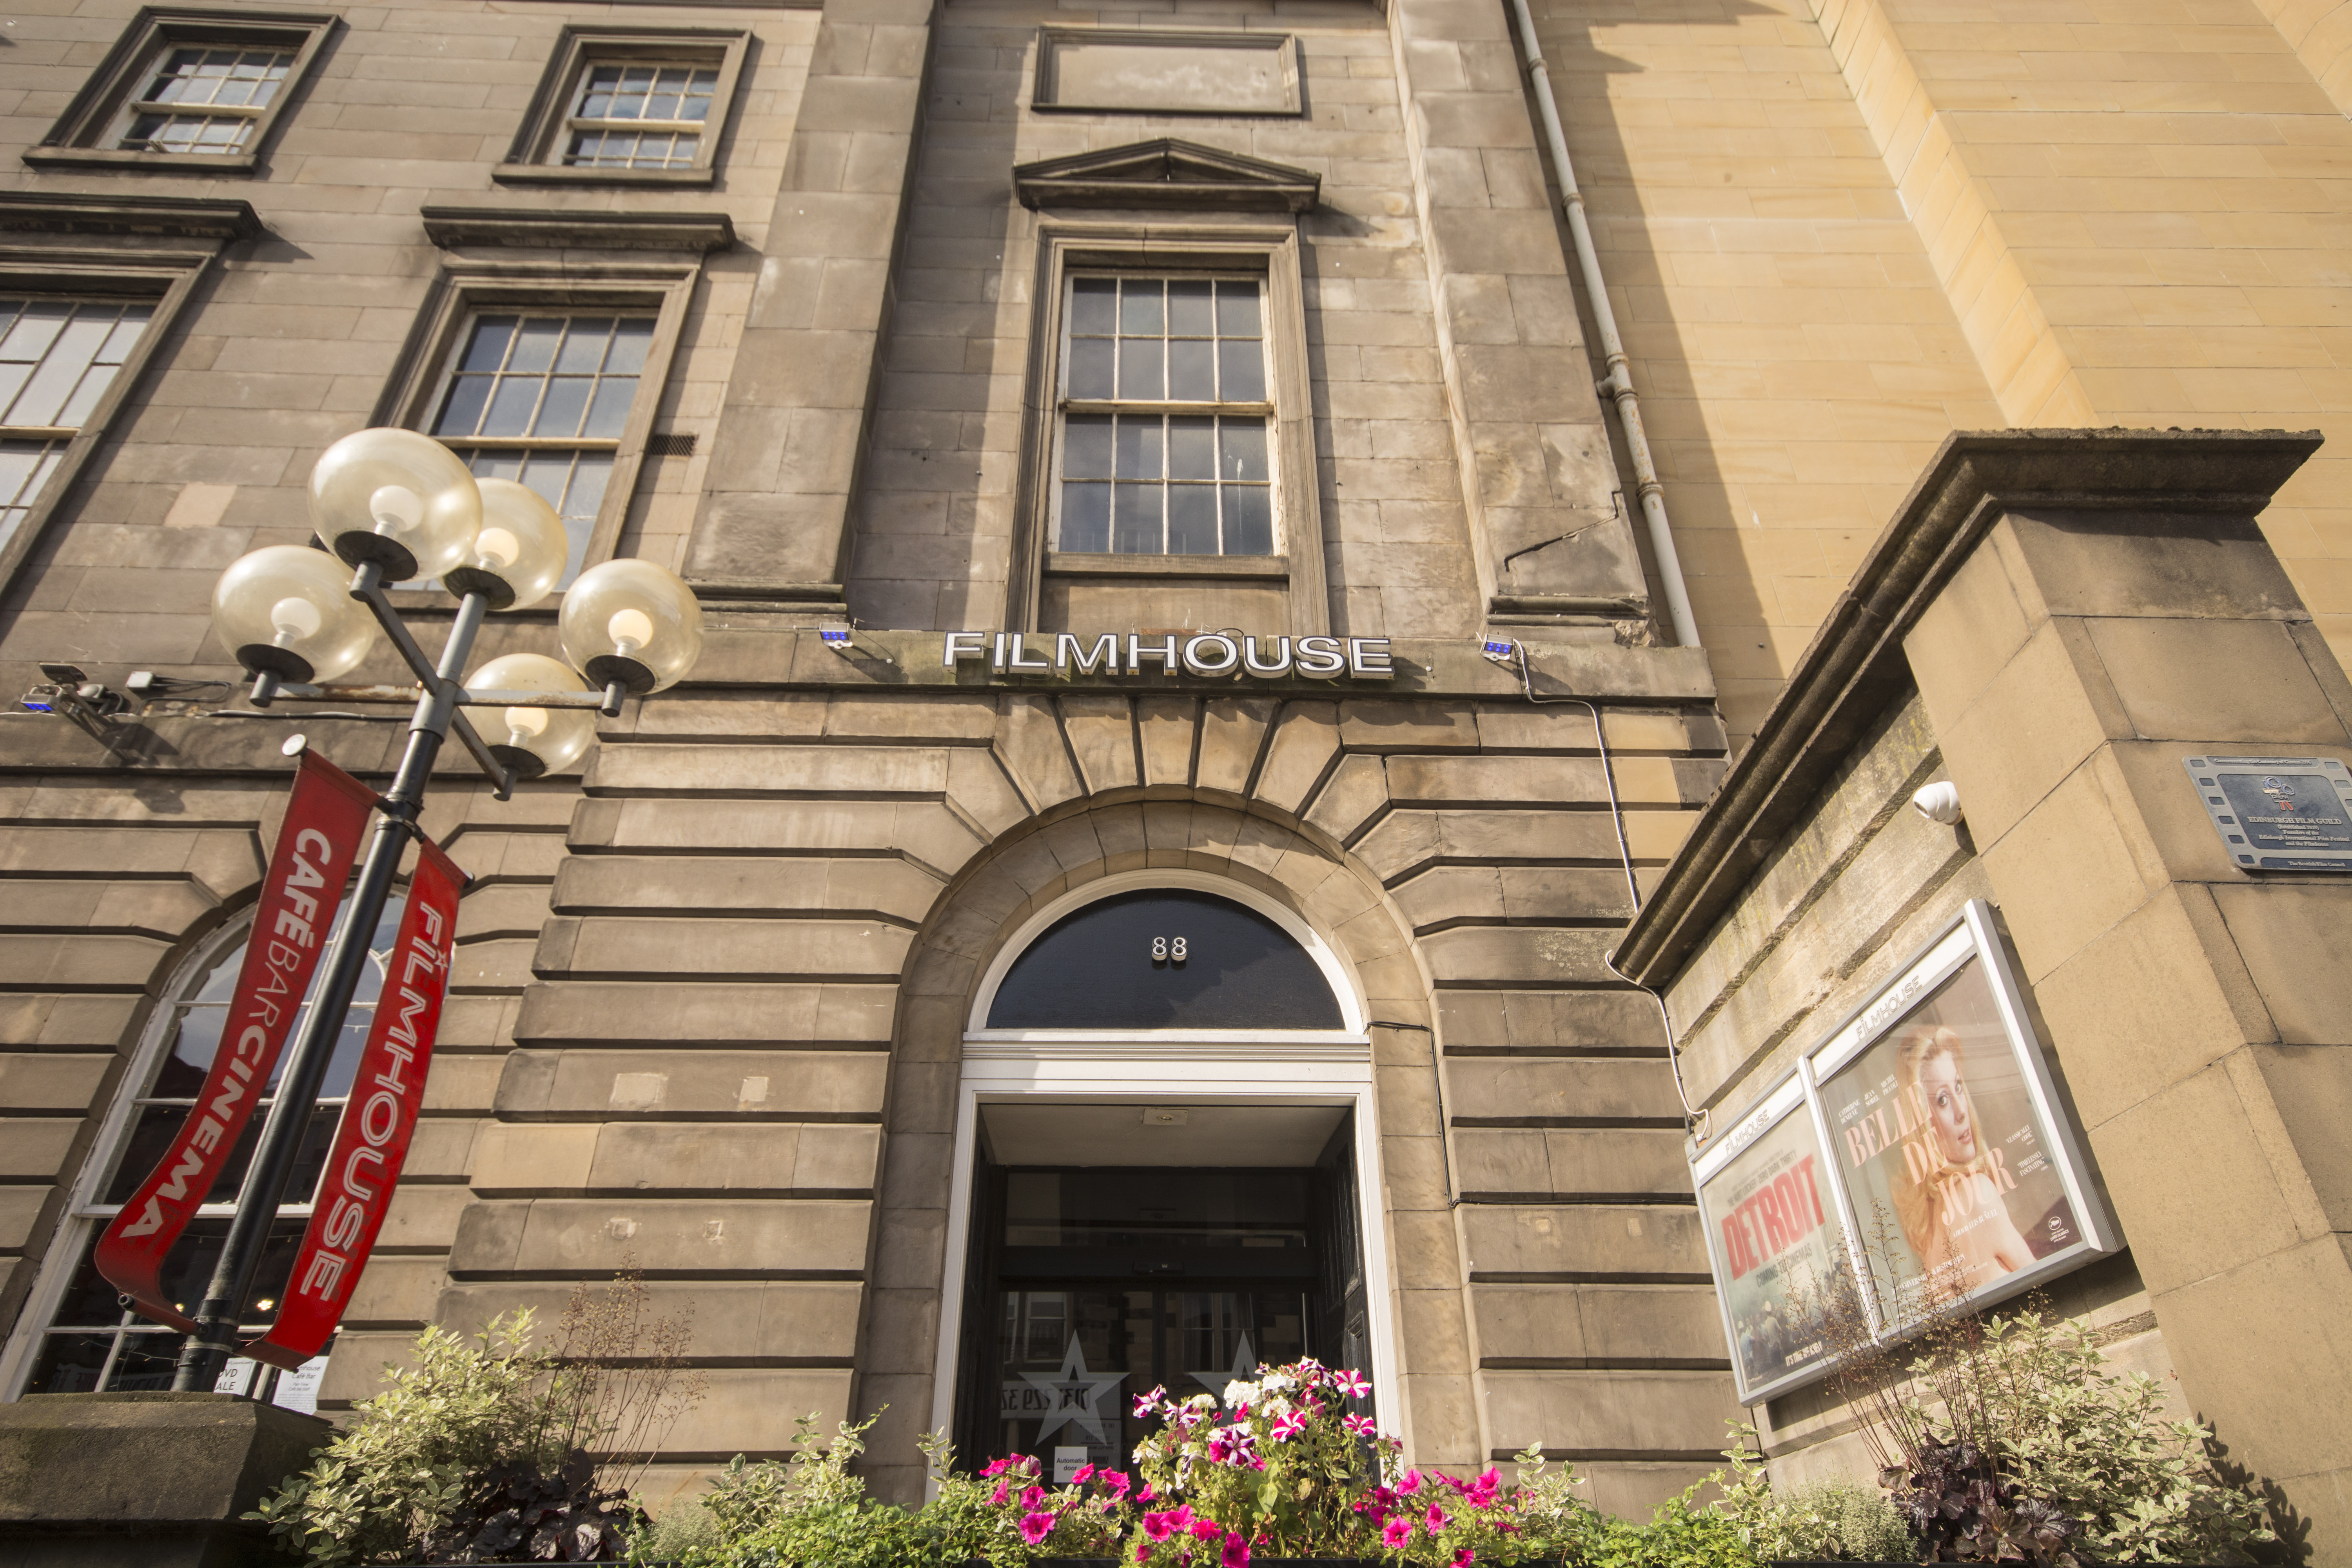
1110 785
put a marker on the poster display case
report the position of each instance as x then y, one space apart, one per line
1917 1156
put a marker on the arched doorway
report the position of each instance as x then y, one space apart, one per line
1159 1179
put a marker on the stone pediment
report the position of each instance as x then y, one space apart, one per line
1165 173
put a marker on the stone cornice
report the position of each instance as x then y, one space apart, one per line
181 217
562 228
1855 665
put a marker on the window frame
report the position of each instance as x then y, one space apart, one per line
1270 252
532 160
466 290
1115 406
166 282
61 1254
74 141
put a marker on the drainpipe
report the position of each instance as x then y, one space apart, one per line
1618 384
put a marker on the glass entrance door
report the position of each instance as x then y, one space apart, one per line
1091 1286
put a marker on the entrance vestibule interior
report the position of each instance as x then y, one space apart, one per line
1120 1247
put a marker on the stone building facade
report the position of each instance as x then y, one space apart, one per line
1254 318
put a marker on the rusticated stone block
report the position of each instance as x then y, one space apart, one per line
1576 1239
1537 1087
1611 1322
707 1012
562 1236
599 884
595 1084
1619 1413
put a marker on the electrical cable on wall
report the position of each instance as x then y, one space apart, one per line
1693 1119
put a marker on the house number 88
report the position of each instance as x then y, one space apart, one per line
1165 948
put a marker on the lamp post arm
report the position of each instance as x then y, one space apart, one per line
203 1352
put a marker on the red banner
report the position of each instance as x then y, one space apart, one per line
316 846
371 1140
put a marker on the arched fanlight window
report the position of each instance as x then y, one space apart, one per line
75 1336
1165 958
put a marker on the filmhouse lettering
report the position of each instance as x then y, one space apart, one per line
1206 654
1779 1215
386 1111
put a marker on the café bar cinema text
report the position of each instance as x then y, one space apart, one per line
1210 655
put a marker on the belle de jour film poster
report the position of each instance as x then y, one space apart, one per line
1948 1177
1775 1241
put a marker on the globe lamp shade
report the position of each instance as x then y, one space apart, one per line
398 498
518 556
288 611
532 742
631 622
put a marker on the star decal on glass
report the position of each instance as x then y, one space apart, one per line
1074 1392
1244 1367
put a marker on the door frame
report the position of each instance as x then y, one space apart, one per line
1162 1072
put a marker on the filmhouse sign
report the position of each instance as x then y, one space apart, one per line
1210 655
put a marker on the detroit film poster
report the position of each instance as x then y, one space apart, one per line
1952 1172
1773 1227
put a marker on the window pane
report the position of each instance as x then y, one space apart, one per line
1191 448
1085 518
1135 528
34 328
1249 520
1192 519
1086 446
94 382
1090 362
25 470
566 402
1191 373
511 407
609 415
1244 446
1138 367
1137 448
534 345
584 345
44 397
1237 309
1189 315
462 414
487 350
1140 307
1092 306
1242 363
631 338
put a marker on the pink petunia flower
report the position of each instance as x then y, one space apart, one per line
1434 1519
1159 1526
1410 1485
1236 1552
1482 1491
1359 1425
1004 1491
1147 1494
1289 1426
996 1467
1462 1559
1207 1529
1396 1533
1086 1473
1351 1384
1034 1498
1035 1527
1115 1482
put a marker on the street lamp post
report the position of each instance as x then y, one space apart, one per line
397 506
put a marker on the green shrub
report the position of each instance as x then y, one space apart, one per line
1830 1520
466 1407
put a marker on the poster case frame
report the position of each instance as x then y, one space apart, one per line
1971 933
1788 1096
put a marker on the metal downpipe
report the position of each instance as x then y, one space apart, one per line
1618 384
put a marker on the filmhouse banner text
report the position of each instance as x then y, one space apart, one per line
371 1139
313 861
